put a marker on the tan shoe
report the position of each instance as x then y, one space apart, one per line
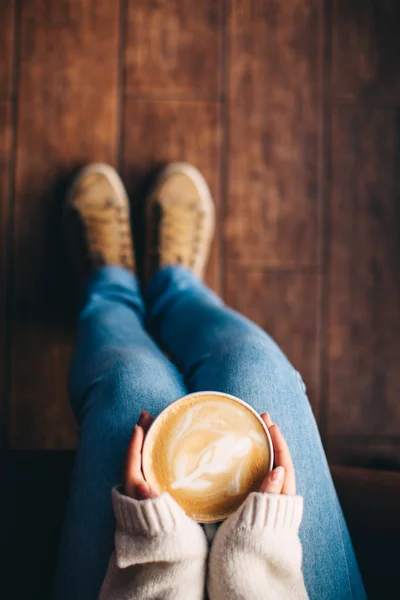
98 220
180 220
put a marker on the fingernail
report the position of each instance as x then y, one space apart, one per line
277 474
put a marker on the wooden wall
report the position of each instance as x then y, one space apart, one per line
291 111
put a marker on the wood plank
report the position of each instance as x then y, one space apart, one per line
274 119
6 47
157 132
285 305
365 51
372 452
364 284
6 134
67 116
380 491
172 48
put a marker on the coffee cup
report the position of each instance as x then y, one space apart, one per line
209 450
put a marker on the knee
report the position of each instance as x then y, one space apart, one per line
250 354
251 367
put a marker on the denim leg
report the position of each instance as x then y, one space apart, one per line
117 371
218 349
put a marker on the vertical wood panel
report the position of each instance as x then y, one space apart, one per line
365 51
274 118
6 46
159 132
67 115
173 48
285 305
364 284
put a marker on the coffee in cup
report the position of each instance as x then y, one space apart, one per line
209 450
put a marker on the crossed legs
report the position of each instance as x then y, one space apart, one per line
118 370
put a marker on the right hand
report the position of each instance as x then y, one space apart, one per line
282 479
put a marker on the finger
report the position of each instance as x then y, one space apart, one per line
128 456
144 491
141 418
133 466
283 459
273 483
266 417
136 457
145 420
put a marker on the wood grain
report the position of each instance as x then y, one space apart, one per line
365 51
364 284
285 304
67 116
273 114
159 132
172 48
6 134
6 47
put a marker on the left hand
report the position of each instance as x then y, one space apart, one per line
282 479
134 483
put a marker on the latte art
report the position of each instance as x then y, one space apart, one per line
208 451
222 450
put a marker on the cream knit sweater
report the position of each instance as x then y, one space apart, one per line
161 554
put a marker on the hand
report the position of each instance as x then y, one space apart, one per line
134 482
282 479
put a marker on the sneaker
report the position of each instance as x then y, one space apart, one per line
180 220
98 220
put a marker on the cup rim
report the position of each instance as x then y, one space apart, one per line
224 395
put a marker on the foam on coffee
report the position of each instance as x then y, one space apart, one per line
208 452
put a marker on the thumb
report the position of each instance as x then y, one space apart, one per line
143 491
273 483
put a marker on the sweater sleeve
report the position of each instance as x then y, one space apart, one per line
160 553
256 553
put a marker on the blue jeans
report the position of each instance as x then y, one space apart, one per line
118 370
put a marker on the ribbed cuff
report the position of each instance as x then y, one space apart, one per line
271 511
147 517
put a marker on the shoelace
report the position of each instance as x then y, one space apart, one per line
103 231
180 234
